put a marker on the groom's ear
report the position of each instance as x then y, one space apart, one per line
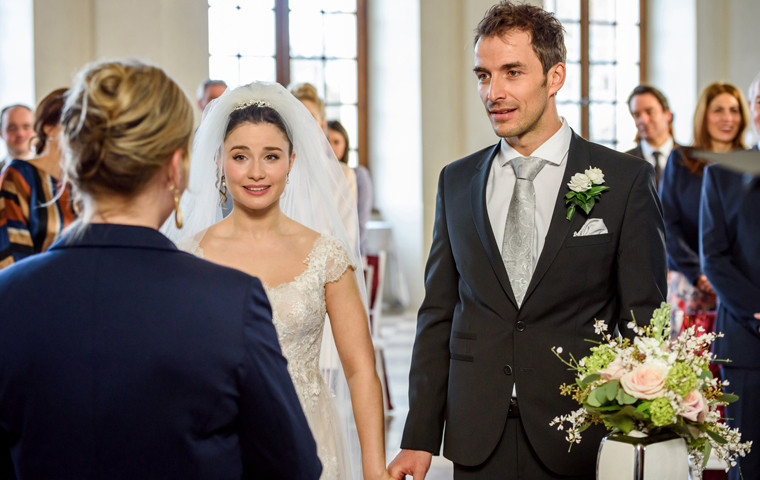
555 78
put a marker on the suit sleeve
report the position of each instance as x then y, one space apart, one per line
641 261
681 254
276 441
734 289
428 375
6 463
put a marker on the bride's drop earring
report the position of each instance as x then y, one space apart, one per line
177 211
287 178
222 190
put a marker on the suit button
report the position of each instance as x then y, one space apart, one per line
507 370
520 326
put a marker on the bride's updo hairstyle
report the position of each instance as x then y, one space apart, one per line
258 113
121 123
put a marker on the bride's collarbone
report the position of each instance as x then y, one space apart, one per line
275 263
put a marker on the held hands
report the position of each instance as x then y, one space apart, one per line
410 462
704 285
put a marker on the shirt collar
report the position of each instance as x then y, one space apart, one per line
648 150
552 150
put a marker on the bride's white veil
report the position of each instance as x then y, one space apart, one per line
317 195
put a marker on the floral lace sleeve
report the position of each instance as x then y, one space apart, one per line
333 255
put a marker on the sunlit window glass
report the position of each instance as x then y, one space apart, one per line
321 46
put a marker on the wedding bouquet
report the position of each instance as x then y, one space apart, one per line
652 384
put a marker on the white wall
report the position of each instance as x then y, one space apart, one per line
711 41
395 139
172 34
672 59
728 43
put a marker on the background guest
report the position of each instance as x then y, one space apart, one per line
654 124
754 107
339 142
307 94
720 119
35 203
730 255
209 90
141 361
16 131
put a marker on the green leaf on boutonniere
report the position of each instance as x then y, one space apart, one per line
596 189
570 212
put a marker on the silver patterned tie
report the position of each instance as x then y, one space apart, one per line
517 246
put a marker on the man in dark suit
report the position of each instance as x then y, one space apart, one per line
730 258
124 358
482 363
654 124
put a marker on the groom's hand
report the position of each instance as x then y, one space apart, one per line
410 462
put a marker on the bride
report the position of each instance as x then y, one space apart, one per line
259 145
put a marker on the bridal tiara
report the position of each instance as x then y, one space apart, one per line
248 103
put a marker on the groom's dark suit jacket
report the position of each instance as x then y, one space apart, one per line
124 358
473 343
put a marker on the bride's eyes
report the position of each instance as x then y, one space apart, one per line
239 157
272 156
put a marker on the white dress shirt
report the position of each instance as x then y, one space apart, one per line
501 184
664 149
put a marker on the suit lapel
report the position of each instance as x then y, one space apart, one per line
559 228
483 223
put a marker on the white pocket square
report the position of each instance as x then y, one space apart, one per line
593 226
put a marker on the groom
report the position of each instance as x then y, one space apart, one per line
509 277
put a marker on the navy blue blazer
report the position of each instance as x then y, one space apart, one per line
730 251
124 358
680 192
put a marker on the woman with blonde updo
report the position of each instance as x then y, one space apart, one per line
140 361
35 203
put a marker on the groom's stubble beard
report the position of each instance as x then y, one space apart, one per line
530 120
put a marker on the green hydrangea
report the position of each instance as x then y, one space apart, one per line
681 379
601 356
661 412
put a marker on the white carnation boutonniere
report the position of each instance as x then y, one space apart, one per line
586 188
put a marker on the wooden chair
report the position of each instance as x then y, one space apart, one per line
374 275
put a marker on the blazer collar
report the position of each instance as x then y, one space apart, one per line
110 235
483 224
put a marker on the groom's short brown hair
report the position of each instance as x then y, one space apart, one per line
546 32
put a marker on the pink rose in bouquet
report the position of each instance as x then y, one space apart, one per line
646 381
614 370
695 407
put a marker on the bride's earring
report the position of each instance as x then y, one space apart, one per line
287 178
177 211
222 190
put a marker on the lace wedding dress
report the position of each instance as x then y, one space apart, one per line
299 312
